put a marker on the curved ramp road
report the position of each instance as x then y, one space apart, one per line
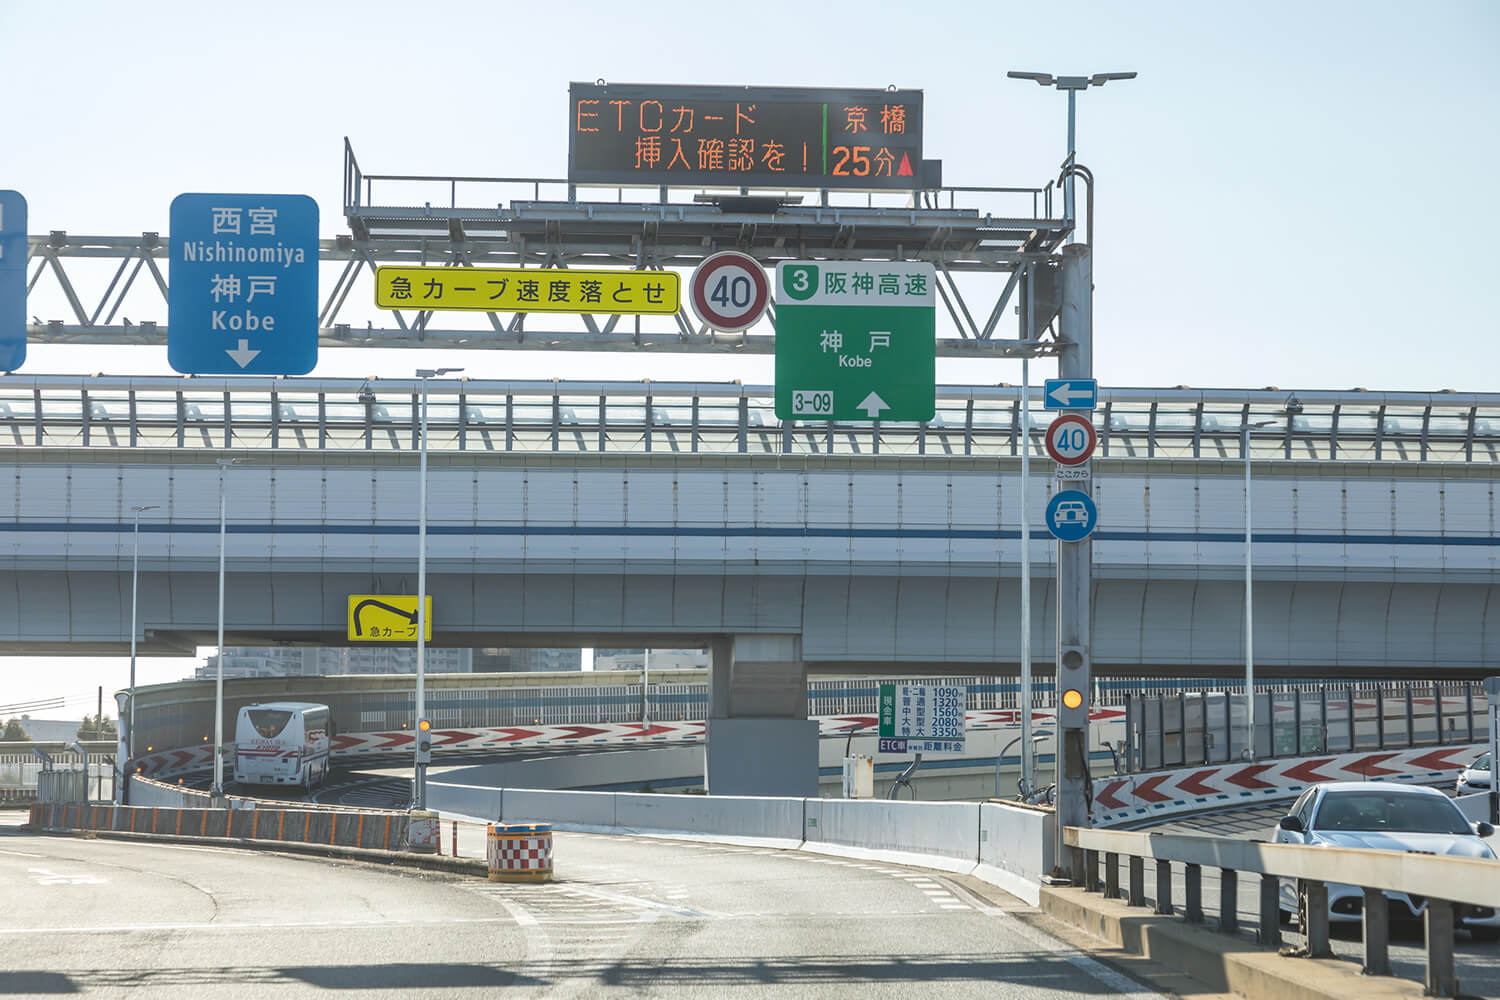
656 918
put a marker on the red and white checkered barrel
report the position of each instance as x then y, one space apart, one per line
519 852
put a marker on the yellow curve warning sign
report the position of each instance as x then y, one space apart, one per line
529 289
387 618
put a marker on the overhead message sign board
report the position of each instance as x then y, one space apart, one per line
387 618
12 280
519 289
922 718
784 137
243 284
856 340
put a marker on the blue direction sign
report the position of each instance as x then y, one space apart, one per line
1071 515
1071 394
12 280
243 284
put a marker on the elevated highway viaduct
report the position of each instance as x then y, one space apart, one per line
653 514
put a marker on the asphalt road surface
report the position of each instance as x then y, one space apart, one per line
110 918
1476 963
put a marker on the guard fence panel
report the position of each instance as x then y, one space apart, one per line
382 830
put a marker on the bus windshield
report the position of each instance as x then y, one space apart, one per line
269 722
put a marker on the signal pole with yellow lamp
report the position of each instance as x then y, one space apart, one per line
1074 580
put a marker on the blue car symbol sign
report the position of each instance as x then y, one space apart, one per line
1071 515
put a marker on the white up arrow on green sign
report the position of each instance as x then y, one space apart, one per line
855 340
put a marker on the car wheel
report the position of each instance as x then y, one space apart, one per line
1301 907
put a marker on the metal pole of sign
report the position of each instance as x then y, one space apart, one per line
1074 646
1492 705
1028 758
1249 610
121 772
419 784
645 686
218 790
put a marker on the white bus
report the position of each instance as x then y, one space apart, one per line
282 743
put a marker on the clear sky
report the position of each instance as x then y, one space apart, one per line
1290 194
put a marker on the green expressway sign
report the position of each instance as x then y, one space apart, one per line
855 340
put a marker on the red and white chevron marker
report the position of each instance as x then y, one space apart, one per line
1165 793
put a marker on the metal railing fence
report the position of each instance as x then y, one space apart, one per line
1443 882
654 417
1207 726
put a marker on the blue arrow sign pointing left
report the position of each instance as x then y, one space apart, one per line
1071 394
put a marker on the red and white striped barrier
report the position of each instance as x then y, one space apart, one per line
1135 797
171 763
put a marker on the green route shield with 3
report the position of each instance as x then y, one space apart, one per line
856 340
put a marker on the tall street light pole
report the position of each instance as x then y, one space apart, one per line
419 789
135 573
218 791
1071 84
1292 409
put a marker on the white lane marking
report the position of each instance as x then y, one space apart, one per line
43 876
520 914
261 925
23 854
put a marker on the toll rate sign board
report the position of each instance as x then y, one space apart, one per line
922 718
856 340
243 284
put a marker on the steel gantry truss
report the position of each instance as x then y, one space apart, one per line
990 246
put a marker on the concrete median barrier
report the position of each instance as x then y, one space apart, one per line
774 821
1017 844
584 812
935 834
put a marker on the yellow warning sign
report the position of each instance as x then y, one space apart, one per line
387 618
519 289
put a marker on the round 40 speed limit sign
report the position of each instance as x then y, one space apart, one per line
729 291
1071 439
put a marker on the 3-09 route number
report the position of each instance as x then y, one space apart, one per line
812 402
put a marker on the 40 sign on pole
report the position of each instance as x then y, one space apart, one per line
729 291
1071 439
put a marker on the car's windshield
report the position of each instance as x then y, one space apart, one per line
1482 764
1389 810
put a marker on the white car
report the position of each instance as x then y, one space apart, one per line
1476 777
1382 816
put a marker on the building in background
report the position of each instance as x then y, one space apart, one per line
526 661
661 659
297 661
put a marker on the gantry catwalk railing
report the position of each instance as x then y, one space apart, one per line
992 248
641 417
